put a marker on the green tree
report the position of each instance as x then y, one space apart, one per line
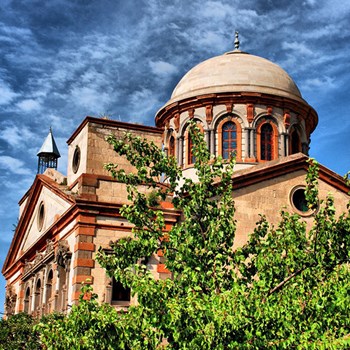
286 288
16 332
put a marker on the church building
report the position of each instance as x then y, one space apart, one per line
242 103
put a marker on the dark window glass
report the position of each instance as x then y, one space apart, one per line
229 139
299 200
296 146
119 293
172 146
266 142
76 159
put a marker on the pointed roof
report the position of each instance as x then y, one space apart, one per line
49 146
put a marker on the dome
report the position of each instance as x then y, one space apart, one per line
236 71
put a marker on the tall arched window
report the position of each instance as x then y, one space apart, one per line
171 149
295 144
27 301
229 139
266 142
189 148
37 298
48 291
190 156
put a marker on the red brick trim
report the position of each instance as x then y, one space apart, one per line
87 246
84 263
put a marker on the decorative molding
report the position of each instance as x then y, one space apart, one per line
229 107
209 114
286 118
177 122
250 112
40 259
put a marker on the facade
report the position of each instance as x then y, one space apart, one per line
243 104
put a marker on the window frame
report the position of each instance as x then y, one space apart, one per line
274 139
219 130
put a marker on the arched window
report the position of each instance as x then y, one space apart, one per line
48 291
190 156
229 139
295 144
171 149
27 301
37 297
266 142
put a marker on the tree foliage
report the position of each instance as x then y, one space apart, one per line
16 332
285 288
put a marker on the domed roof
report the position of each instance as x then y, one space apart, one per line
236 71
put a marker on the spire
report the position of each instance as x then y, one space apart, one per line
236 42
48 154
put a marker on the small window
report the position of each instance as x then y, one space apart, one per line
76 160
299 202
41 216
119 293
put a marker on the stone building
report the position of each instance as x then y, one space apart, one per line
241 102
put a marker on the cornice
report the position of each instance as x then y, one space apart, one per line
114 124
300 107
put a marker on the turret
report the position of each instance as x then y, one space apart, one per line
48 154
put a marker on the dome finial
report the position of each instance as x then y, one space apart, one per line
236 40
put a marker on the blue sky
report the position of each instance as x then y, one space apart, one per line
61 60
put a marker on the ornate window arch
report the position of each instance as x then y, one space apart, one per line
229 138
267 141
190 158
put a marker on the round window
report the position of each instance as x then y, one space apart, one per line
76 159
41 216
299 202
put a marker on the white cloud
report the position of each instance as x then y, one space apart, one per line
215 10
6 93
320 83
14 166
162 69
17 137
148 100
93 100
298 48
29 105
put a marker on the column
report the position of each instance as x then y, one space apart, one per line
252 143
212 141
180 150
247 143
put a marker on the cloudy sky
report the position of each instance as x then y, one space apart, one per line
61 60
